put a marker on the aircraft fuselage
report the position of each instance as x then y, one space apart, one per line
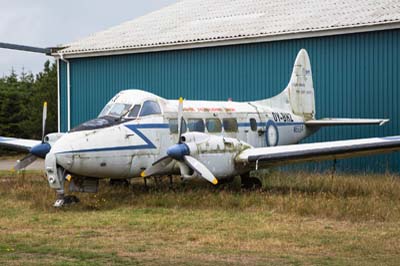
132 144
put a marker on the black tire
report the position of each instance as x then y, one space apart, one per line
250 183
226 180
119 182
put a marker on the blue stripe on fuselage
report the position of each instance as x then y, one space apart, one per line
135 129
149 144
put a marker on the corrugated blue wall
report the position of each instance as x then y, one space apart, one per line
355 75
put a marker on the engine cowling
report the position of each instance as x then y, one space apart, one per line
217 153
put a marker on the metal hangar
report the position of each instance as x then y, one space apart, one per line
244 50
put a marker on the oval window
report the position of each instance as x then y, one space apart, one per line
230 124
213 125
173 126
253 124
196 125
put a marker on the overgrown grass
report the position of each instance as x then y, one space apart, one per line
296 219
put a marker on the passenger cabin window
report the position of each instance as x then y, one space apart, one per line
135 111
253 124
196 125
230 124
150 108
213 125
173 126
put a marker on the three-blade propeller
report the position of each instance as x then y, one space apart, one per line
181 153
38 151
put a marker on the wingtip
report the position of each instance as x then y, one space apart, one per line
384 121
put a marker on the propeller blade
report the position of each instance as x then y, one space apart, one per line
200 168
23 163
157 167
180 114
44 117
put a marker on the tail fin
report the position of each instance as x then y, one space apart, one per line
298 97
300 88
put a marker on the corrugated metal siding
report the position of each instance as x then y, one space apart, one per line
63 96
355 75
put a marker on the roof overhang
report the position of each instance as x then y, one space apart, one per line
231 41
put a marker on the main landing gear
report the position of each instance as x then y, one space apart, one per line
249 182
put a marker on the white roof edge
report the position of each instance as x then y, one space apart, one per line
236 41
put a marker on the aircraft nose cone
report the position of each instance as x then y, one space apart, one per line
41 150
178 151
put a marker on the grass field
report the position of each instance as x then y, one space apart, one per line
297 219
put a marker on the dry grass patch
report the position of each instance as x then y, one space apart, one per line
298 219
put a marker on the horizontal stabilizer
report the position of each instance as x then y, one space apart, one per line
345 122
319 151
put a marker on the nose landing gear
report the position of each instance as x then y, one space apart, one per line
63 200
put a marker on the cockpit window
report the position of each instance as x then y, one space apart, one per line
150 108
105 110
135 111
115 109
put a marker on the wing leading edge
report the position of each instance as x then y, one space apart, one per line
18 144
319 151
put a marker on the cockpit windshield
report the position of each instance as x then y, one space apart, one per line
131 111
115 109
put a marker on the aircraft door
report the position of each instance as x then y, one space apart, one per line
254 130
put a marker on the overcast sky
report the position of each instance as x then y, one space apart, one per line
46 23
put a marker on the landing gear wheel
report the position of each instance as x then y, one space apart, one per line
65 201
70 200
226 180
119 182
250 183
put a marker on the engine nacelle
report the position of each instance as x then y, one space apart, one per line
217 153
52 138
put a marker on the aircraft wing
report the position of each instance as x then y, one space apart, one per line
345 122
18 144
319 151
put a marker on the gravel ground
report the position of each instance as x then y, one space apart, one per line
8 163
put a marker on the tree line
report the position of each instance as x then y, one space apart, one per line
21 103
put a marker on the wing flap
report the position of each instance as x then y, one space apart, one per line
18 144
281 155
345 122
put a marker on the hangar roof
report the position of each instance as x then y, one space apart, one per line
202 23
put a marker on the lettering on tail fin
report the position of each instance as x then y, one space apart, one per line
298 97
301 88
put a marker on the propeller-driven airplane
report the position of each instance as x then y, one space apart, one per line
139 134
